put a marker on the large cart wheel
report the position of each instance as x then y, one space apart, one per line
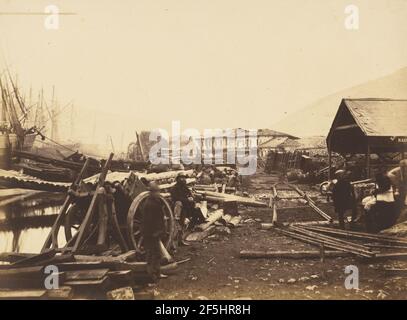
73 220
134 223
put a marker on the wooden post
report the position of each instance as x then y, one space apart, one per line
140 147
103 216
52 239
322 252
275 215
368 161
88 217
329 158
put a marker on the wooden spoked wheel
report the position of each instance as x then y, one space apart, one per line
73 219
134 223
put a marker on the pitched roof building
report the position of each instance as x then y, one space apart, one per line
366 126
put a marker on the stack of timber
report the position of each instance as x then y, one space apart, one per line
17 179
306 254
218 197
324 241
331 242
164 179
217 220
215 188
80 275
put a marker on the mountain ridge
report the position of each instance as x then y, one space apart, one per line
317 117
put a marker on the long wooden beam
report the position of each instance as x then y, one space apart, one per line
52 239
88 217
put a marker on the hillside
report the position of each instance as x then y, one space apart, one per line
316 119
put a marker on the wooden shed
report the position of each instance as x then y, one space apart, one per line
369 126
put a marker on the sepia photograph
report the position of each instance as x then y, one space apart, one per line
177 151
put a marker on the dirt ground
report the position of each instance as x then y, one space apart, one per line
215 270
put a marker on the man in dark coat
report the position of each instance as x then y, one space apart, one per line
180 192
342 196
152 228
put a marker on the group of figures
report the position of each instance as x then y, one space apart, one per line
382 207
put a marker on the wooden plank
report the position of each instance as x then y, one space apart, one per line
396 272
235 221
215 216
88 265
115 266
92 274
221 197
21 282
89 284
12 257
120 258
62 293
52 238
386 246
393 255
134 266
22 272
306 254
200 235
46 255
123 276
22 294
24 277
226 218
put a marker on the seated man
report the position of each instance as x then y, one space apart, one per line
181 193
234 180
398 178
381 210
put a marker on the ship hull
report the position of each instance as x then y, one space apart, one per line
29 140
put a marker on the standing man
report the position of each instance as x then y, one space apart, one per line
152 228
342 196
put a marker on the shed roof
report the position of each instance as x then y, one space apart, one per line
312 142
273 142
274 133
380 124
379 117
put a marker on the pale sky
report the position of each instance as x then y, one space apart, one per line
207 63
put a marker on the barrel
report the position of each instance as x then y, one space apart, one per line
5 152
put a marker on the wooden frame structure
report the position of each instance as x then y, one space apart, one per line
369 126
101 203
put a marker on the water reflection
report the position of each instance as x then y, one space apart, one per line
24 226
